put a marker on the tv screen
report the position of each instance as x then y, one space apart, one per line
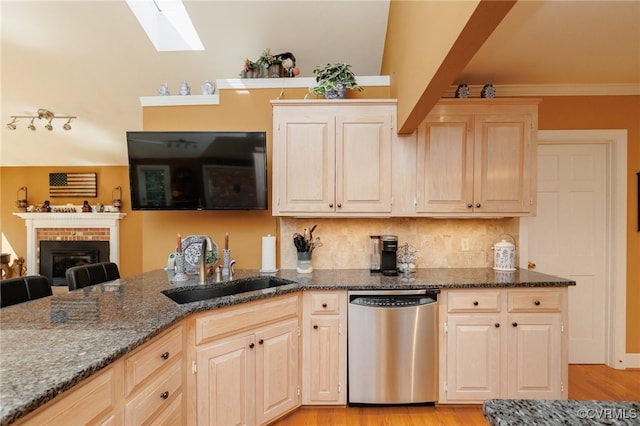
197 170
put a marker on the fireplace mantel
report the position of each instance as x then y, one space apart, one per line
33 221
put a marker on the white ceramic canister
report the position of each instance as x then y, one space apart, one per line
504 255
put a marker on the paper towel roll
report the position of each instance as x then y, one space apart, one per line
268 254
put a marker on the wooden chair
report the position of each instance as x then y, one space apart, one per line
23 289
92 274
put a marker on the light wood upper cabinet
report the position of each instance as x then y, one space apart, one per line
332 158
477 158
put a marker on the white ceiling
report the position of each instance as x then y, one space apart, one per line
93 60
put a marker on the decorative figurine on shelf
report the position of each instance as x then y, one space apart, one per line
463 91
86 208
163 90
208 88
185 89
488 91
46 207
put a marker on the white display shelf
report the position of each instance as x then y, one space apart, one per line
179 100
250 83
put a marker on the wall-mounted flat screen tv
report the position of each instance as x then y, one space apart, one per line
197 170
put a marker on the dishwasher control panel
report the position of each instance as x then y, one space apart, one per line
392 301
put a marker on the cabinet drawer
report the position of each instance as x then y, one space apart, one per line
211 326
535 301
155 355
478 301
158 396
325 303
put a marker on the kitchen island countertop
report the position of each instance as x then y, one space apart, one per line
49 345
523 412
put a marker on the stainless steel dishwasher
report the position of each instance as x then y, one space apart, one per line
393 347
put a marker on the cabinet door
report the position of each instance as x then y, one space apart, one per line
323 375
363 162
276 370
502 170
304 163
225 385
445 165
534 363
474 357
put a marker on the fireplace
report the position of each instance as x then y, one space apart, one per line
71 227
57 256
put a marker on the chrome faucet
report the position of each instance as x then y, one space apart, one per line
206 243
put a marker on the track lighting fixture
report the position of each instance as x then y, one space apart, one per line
41 114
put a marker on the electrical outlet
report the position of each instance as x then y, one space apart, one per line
464 244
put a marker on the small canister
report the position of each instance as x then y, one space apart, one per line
504 255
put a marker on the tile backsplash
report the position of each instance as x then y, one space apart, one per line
438 241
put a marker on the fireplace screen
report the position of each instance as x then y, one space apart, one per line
58 256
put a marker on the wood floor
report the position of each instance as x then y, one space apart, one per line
585 382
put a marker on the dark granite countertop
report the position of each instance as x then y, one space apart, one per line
523 412
49 345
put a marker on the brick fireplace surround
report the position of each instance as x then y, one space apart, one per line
70 227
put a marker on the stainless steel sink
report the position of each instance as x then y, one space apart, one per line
196 294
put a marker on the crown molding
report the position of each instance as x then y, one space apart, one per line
555 90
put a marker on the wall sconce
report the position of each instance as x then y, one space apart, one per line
42 113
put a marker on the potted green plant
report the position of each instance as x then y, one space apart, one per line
333 80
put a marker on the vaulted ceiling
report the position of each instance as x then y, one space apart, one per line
92 59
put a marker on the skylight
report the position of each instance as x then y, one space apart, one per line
167 24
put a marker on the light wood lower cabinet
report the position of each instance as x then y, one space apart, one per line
324 348
154 378
97 401
509 343
145 387
247 365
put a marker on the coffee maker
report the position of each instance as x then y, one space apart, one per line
389 255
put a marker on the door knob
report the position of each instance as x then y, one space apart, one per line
315 326
164 395
478 205
531 265
164 355
515 324
496 325
260 341
251 345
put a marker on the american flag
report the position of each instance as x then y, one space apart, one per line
72 185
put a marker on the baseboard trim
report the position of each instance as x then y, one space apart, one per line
632 360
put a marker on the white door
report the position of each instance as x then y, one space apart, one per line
568 237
